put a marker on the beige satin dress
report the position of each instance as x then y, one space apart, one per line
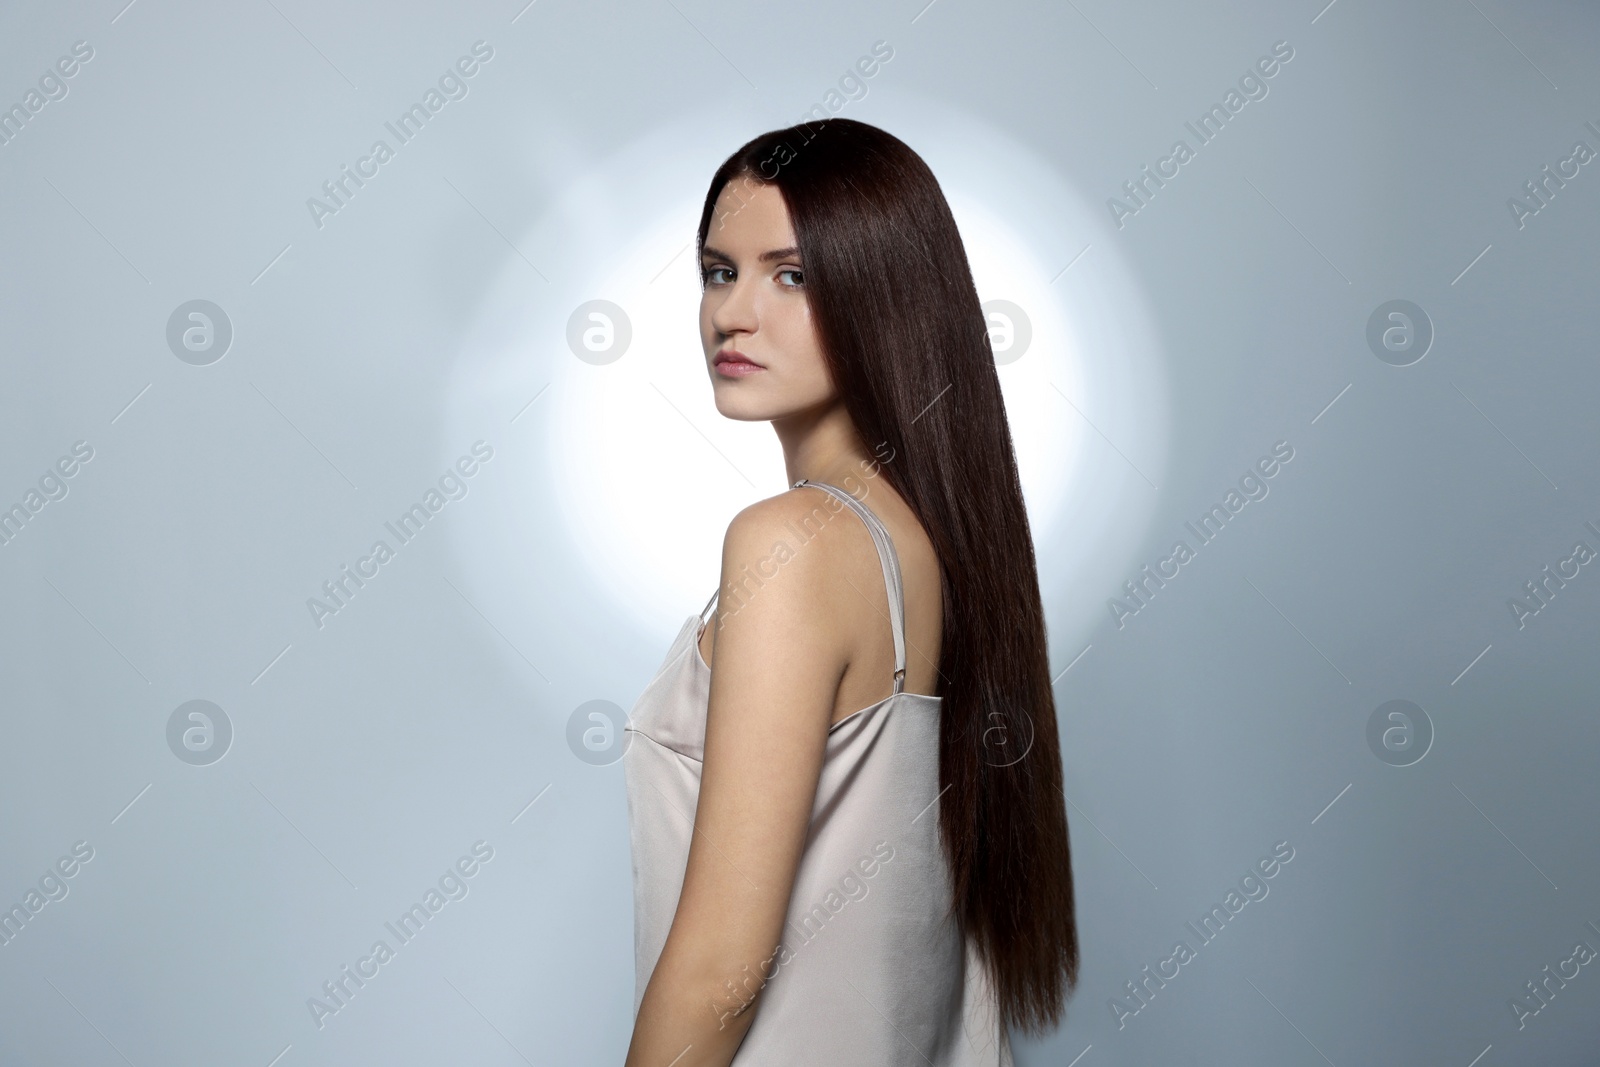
871 969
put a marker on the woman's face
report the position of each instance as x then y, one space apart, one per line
754 303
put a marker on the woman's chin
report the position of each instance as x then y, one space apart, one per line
731 405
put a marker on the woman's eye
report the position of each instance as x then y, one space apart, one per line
799 277
710 274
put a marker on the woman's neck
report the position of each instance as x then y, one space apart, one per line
822 445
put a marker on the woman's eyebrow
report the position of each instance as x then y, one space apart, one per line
765 257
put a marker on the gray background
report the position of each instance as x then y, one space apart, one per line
368 755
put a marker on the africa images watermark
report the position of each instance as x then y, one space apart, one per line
1252 486
1252 84
1542 189
739 592
852 87
52 486
452 86
852 83
1543 589
52 86
1252 887
52 887
340 590
852 886
341 989
1541 991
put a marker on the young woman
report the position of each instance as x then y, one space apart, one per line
845 800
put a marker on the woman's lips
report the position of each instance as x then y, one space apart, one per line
735 366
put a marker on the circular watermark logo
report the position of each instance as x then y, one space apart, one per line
199 332
1399 333
597 732
1399 733
199 732
1007 737
599 332
1010 330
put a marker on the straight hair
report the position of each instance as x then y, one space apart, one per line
906 342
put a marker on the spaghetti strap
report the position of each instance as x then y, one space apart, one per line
891 577
891 573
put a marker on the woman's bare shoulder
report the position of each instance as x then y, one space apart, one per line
786 530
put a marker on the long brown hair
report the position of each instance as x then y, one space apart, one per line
905 339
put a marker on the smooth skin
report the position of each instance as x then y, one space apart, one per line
809 646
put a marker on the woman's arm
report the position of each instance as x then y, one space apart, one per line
775 669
